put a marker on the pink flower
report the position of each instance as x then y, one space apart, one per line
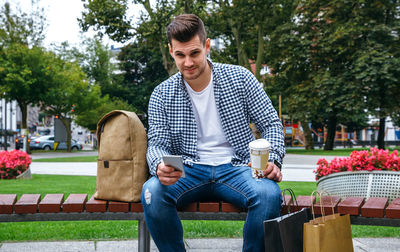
13 163
374 159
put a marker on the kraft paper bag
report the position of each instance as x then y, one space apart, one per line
330 233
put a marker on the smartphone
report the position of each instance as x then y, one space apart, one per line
176 162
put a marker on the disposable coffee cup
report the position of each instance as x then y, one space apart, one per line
259 155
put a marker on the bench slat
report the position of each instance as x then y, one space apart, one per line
136 207
393 210
304 201
7 202
192 207
374 207
28 203
51 203
75 203
351 205
209 207
229 208
328 203
116 206
96 206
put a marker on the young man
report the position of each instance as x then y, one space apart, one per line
203 113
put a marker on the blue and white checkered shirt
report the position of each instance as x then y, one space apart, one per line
240 100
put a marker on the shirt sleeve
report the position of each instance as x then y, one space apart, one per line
158 136
265 117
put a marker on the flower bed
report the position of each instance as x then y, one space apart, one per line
13 163
373 173
372 160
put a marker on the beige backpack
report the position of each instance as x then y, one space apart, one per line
121 167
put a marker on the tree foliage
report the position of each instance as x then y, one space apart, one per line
244 27
332 60
329 47
92 116
141 70
70 93
21 27
24 75
112 18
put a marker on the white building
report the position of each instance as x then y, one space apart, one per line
10 116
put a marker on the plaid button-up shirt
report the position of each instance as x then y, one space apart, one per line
240 100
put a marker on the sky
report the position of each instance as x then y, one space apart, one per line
62 21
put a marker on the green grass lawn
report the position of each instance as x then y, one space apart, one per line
110 230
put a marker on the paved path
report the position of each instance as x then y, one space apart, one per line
192 245
295 167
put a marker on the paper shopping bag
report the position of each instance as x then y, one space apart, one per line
328 234
285 233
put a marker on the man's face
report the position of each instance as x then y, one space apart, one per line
190 57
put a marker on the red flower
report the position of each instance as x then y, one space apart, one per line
13 163
372 160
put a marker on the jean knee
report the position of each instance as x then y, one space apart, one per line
270 194
150 188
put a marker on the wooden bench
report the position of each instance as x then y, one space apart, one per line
53 207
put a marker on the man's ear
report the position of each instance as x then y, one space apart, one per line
170 50
208 45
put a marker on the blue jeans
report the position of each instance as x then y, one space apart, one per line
262 198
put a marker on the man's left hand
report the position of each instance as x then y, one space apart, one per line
273 172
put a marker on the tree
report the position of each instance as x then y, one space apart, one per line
95 60
396 117
91 117
377 64
23 75
70 93
19 30
21 27
333 38
142 69
111 18
246 26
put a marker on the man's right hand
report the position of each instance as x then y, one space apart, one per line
167 174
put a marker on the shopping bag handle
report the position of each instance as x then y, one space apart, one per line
292 194
317 193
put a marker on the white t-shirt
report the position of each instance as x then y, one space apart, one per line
212 146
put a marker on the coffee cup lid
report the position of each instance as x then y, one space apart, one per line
260 144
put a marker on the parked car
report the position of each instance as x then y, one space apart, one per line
47 143
19 142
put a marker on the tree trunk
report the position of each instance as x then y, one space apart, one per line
381 133
67 126
260 52
24 126
330 139
308 140
235 32
169 65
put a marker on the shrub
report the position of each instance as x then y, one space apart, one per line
13 163
366 160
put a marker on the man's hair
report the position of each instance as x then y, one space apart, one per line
186 26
